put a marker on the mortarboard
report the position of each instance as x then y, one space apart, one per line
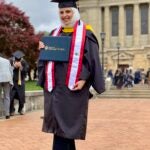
65 3
18 54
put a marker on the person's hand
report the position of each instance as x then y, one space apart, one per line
79 85
20 65
11 85
41 45
16 64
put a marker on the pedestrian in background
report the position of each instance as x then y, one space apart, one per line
119 78
148 77
137 76
109 79
6 75
19 75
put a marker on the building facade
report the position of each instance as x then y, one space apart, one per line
123 21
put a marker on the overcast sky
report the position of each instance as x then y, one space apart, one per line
42 13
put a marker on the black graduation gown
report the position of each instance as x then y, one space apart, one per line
18 91
65 111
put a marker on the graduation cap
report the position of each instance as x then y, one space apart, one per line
18 54
65 3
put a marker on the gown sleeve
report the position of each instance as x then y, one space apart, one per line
41 73
24 69
91 69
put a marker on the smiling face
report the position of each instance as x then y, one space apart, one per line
66 15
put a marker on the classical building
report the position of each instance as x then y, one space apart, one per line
124 21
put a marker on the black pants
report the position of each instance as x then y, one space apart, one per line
60 143
12 108
14 95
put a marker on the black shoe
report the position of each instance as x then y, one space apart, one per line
7 117
21 113
12 114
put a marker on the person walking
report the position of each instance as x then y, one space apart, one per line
6 76
119 78
66 84
148 77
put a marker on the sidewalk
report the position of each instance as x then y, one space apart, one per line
113 125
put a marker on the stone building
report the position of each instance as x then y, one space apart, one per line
124 21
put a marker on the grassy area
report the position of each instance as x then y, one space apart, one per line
32 86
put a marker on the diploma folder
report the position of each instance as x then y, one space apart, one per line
57 48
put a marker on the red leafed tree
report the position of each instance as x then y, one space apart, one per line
1 1
16 33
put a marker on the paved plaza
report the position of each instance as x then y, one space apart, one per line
121 124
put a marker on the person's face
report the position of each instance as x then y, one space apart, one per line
66 14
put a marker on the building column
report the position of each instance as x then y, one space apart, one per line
100 20
107 26
100 25
136 25
94 20
121 25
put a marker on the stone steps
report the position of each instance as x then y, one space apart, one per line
135 92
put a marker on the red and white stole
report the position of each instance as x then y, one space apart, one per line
75 58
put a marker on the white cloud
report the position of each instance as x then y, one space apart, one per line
42 13
44 27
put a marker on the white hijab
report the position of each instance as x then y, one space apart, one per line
76 16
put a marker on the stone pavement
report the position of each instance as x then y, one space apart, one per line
114 124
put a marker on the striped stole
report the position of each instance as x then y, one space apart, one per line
75 58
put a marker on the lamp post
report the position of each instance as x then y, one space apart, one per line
102 35
118 47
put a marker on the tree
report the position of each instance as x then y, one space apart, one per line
1 1
16 33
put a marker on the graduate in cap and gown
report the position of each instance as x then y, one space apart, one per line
19 73
66 84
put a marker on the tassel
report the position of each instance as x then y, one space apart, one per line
19 77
